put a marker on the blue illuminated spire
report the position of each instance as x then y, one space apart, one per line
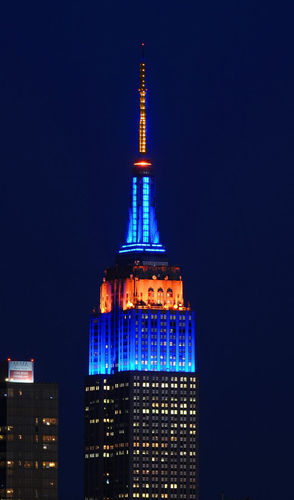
142 233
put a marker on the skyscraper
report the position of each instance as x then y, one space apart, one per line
28 434
141 432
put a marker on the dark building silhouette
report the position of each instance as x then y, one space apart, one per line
141 412
28 434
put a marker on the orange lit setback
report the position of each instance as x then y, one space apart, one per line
142 293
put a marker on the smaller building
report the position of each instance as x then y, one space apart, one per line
28 434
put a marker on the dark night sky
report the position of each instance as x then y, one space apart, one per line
221 132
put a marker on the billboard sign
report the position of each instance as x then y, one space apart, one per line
21 371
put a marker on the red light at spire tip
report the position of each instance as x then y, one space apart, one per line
143 163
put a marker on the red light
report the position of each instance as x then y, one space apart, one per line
8 359
32 360
143 163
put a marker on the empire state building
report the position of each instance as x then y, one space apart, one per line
141 410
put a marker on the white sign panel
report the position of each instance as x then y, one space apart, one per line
21 371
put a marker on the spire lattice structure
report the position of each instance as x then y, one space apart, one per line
142 123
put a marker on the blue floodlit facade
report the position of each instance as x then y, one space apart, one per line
148 339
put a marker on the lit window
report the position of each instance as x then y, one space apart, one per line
49 439
28 464
49 465
150 296
49 421
160 296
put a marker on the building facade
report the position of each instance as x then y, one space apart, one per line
28 434
141 410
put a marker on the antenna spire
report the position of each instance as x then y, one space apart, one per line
142 90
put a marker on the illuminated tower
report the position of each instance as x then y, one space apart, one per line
141 412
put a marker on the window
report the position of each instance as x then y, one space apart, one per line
49 421
159 296
49 465
49 439
169 296
28 464
150 296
